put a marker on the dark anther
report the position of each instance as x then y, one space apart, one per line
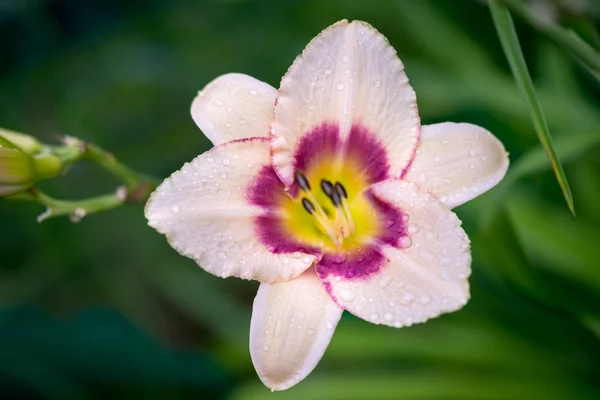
327 187
336 199
302 181
308 206
341 190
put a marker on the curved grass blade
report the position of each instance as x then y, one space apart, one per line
510 43
568 40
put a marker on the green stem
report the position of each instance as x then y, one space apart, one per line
568 40
510 43
75 209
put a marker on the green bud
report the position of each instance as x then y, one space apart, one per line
27 143
19 170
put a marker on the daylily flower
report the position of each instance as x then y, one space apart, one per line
330 193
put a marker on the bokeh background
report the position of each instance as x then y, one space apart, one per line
106 309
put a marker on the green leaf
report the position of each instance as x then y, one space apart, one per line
568 40
510 43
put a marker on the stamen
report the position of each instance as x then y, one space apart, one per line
302 181
312 206
308 206
327 187
341 190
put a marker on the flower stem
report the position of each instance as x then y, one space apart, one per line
75 209
137 186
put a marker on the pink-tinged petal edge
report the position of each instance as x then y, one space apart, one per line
205 212
292 325
342 79
424 276
234 106
457 162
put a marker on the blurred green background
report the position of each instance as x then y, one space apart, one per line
107 309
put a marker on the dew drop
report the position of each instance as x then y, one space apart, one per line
219 103
374 317
253 92
307 260
404 242
345 58
310 332
297 254
266 348
328 72
339 258
225 161
407 298
346 295
175 209
472 153
340 86
425 299
222 255
388 316
385 281
377 83
413 229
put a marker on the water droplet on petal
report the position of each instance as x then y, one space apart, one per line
388 316
385 281
266 348
413 229
346 294
345 58
407 298
340 86
175 209
222 255
225 161
404 242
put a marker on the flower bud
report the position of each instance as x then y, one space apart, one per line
27 143
19 170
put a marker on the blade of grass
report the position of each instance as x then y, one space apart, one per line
564 38
512 49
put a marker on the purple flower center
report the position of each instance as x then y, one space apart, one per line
321 204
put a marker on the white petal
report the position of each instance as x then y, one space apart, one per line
292 324
425 278
457 162
234 106
204 212
348 74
